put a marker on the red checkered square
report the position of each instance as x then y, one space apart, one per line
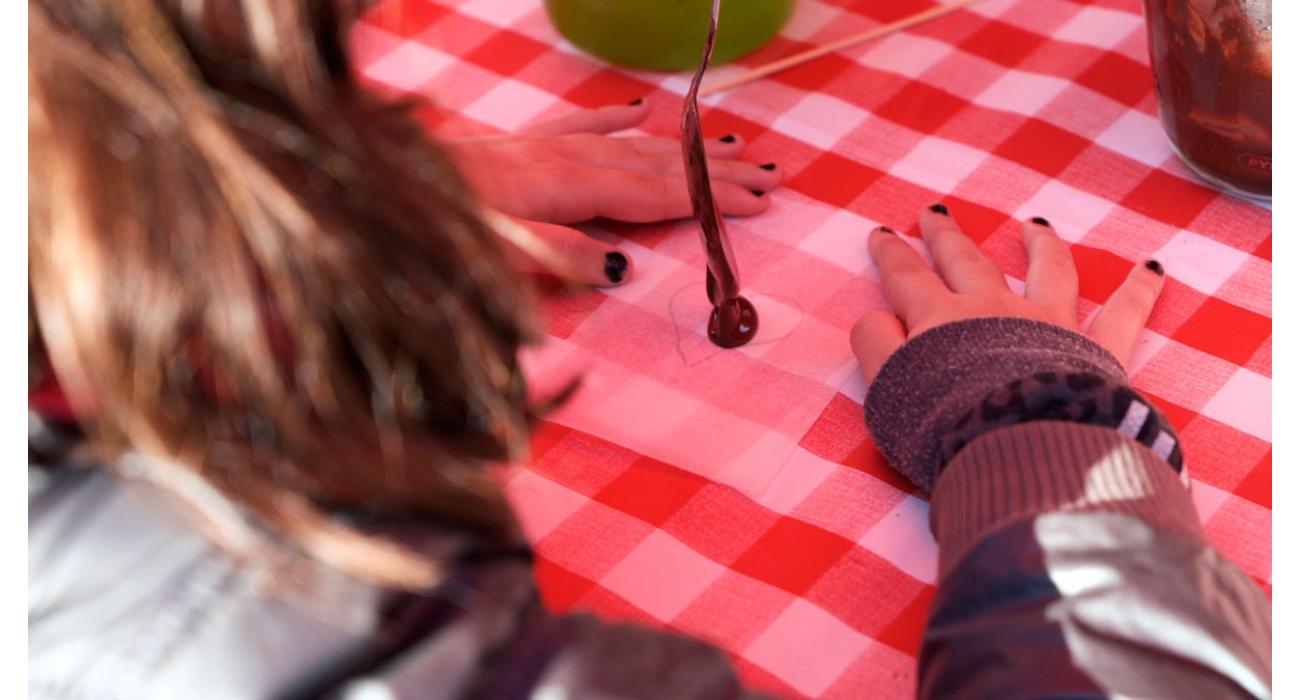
650 490
1100 272
1167 372
849 503
405 19
733 610
1218 454
566 309
813 75
840 592
560 588
1177 416
1258 484
458 34
979 221
1002 43
868 460
834 179
921 107
1262 361
720 122
1254 555
593 540
838 432
792 555
1119 77
581 462
1265 248
1207 330
1042 146
908 628
880 672
506 52
608 87
1174 200
720 523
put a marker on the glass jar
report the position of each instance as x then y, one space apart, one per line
1213 63
666 35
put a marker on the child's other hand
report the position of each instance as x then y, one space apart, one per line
969 285
571 169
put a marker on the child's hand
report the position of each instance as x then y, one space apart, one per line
969 285
570 169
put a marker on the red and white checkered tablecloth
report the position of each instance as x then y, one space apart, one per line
735 495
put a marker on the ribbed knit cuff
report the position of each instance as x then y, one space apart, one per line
929 386
1033 468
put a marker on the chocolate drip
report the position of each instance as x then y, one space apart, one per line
734 320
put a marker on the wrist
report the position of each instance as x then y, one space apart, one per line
958 376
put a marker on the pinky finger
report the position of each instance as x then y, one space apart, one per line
874 338
1117 325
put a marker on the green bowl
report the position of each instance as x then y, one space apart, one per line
666 35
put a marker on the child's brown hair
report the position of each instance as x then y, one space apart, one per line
248 271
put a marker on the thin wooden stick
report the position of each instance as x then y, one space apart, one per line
819 51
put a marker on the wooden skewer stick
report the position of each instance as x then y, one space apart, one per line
819 51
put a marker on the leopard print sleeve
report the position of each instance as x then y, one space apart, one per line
1074 397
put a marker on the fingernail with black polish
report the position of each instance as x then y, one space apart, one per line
637 102
729 138
758 193
1156 267
939 209
768 166
615 267
1041 221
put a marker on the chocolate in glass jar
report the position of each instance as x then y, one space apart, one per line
1213 63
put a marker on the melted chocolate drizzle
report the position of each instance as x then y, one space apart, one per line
734 320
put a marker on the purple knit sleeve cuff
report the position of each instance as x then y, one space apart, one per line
932 384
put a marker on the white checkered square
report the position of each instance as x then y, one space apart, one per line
1098 26
993 8
510 104
1207 499
938 164
549 503
840 241
662 576
800 476
754 470
905 54
1021 92
1149 343
820 120
408 67
500 13
1244 402
806 647
903 538
1199 262
1139 136
1073 213
810 17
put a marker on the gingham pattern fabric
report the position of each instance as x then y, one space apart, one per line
735 495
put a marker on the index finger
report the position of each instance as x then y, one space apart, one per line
911 287
604 120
